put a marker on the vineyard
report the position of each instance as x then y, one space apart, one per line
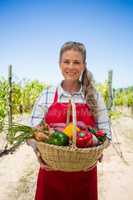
18 97
21 183
23 97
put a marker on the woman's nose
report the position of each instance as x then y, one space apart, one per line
71 65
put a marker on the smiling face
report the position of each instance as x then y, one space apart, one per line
72 65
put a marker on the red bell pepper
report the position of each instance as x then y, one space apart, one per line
101 135
84 139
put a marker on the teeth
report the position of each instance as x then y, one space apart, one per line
71 73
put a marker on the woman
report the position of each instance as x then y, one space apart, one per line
51 106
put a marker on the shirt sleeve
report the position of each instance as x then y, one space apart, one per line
103 121
40 108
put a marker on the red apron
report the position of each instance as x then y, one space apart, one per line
57 185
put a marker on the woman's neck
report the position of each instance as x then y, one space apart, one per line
71 86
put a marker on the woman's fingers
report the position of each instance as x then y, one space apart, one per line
101 158
43 165
32 143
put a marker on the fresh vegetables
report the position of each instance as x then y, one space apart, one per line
101 135
92 130
19 133
69 130
58 138
43 132
90 138
84 139
95 141
40 136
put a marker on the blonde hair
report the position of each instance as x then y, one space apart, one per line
87 78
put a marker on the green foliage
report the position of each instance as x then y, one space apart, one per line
18 133
114 114
22 97
103 89
124 97
16 97
3 101
30 92
3 98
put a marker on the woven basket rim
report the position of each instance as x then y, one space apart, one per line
77 149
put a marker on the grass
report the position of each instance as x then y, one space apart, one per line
115 115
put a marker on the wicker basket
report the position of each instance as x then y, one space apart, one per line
71 158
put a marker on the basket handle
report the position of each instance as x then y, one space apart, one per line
69 110
74 123
72 109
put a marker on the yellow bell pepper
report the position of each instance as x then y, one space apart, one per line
69 130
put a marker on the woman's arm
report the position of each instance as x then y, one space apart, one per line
38 113
103 121
39 110
41 105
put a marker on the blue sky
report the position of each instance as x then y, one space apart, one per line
32 32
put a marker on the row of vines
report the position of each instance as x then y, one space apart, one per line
23 97
120 97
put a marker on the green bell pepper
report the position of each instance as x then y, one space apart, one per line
58 138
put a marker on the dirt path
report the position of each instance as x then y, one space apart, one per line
17 175
18 171
116 176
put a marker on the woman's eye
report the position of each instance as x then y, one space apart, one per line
66 62
76 62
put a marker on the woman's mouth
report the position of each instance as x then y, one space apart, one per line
71 73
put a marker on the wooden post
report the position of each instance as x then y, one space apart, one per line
10 96
110 100
113 104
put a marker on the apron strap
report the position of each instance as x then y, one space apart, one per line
56 96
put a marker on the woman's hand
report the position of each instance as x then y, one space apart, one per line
32 143
43 165
101 158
